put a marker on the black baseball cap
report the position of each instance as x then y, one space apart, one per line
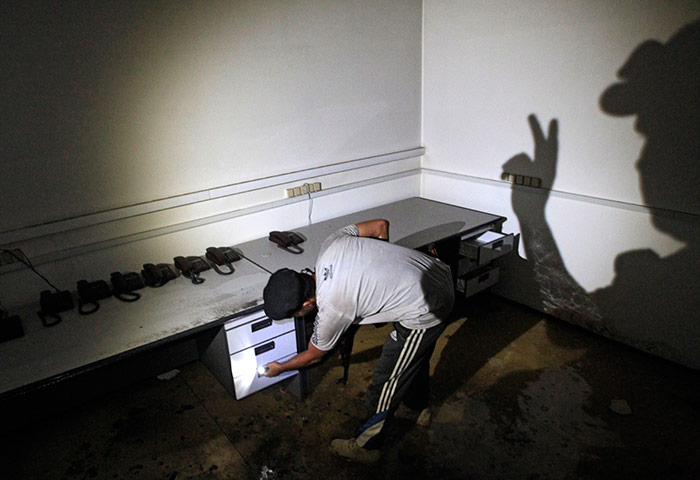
284 293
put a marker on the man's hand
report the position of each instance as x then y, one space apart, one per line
273 369
303 359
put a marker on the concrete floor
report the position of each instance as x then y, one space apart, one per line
516 396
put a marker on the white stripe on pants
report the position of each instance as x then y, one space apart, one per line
405 358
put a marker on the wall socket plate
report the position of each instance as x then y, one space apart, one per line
7 257
521 180
304 189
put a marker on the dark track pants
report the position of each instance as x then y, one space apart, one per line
402 374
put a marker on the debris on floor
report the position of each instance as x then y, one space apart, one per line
620 406
267 473
168 375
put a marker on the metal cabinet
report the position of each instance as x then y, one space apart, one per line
476 270
245 343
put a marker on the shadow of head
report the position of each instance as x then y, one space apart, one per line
660 84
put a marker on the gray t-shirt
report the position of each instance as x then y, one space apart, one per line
365 280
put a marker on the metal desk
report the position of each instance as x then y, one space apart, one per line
85 342
180 310
414 223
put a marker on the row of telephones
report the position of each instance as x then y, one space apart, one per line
219 258
124 285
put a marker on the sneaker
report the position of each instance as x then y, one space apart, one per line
419 417
350 450
424 418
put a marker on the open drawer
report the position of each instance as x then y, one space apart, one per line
244 364
481 250
477 282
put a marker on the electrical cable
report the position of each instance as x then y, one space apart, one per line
311 206
27 263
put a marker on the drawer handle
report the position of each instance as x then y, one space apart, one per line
264 348
260 325
483 278
498 244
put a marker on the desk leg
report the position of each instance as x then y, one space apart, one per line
299 384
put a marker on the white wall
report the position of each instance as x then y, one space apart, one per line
133 132
117 103
130 128
616 246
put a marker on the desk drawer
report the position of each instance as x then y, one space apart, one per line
254 329
249 383
244 364
476 283
466 265
486 247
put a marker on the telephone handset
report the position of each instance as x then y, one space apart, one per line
10 326
124 285
53 303
222 256
287 240
191 267
158 275
90 293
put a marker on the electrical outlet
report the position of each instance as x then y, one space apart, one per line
304 189
521 180
7 257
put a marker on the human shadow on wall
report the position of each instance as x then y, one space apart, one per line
652 302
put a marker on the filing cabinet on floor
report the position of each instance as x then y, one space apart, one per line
247 342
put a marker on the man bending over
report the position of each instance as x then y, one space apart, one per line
361 279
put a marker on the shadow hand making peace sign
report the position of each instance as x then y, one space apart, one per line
542 166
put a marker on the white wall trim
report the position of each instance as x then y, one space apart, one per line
199 222
87 243
98 218
570 196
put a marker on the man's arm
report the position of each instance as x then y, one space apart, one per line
308 357
378 228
